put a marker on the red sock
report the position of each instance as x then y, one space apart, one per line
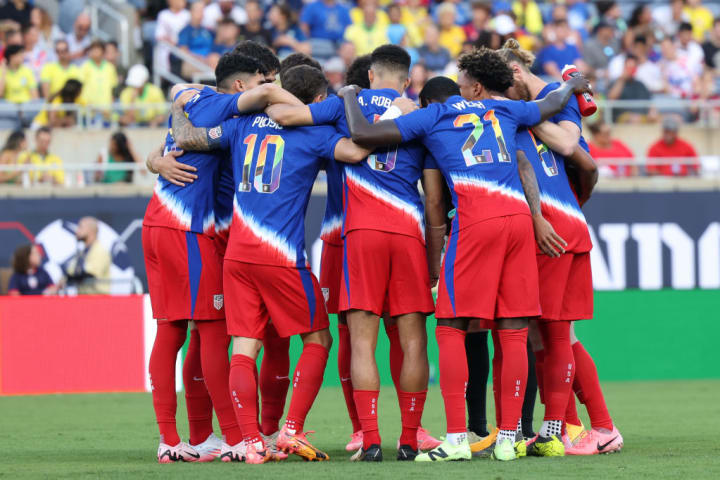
274 381
411 410
366 402
197 399
168 342
540 373
513 375
216 370
587 388
453 376
571 413
497 377
559 368
396 354
306 384
243 390
344 372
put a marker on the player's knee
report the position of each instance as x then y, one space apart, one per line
457 323
512 323
321 337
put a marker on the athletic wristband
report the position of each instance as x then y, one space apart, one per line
391 113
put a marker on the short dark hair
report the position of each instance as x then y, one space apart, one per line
26 28
390 57
295 59
114 43
438 89
21 259
96 44
43 130
232 64
685 27
71 90
305 82
357 72
13 50
488 68
640 39
268 61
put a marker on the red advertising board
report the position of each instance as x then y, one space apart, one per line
71 344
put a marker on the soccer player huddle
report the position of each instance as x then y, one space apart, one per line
224 246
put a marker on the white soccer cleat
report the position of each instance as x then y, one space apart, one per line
182 452
210 449
233 453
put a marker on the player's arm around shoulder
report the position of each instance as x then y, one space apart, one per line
363 132
582 173
260 97
186 135
561 137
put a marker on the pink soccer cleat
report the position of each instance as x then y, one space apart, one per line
233 453
597 441
298 444
258 453
426 441
356 441
210 449
182 452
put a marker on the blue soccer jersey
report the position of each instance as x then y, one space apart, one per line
381 192
193 207
274 169
473 144
558 201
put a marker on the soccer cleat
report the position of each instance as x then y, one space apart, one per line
574 431
356 456
182 452
299 445
372 454
482 446
504 450
551 446
210 449
446 452
406 453
426 441
233 453
520 445
597 441
356 441
258 453
271 444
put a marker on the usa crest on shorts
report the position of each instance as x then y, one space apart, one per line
218 301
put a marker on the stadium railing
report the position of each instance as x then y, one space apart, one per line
103 17
204 73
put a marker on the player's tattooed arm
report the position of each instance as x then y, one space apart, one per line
290 115
582 173
432 183
184 86
556 100
187 136
362 131
549 242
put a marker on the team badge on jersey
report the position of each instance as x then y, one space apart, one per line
218 301
215 133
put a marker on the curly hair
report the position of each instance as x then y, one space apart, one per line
511 52
488 68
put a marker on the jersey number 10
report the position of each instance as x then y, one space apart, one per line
479 129
276 166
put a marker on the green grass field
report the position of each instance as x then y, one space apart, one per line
670 431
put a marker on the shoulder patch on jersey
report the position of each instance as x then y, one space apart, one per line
215 132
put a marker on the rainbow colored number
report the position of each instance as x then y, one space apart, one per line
547 157
486 155
276 163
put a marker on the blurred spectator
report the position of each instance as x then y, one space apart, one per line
669 17
225 40
49 32
640 23
579 14
553 57
42 157
112 56
603 147
15 144
346 51
679 77
357 15
253 28
397 32
462 10
17 11
601 48
9 35
169 24
677 154
528 16
611 13
334 70
79 40
712 46
451 36
219 10
119 150
69 94
324 22
627 87
418 77
17 81
98 76
647 72
688 47
287 36
195 39
89 268
699 17
370 33
434 55
29 277
480 22
415 18
143 100
36 55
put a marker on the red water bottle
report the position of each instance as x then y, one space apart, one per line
585 100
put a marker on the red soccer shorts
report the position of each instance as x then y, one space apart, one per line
566 290
489 271
330 275
184 272
256 293
382 269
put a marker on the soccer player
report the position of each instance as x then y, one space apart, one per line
565 278
295 59
184 270
269 63
266 252
486 272
384 261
